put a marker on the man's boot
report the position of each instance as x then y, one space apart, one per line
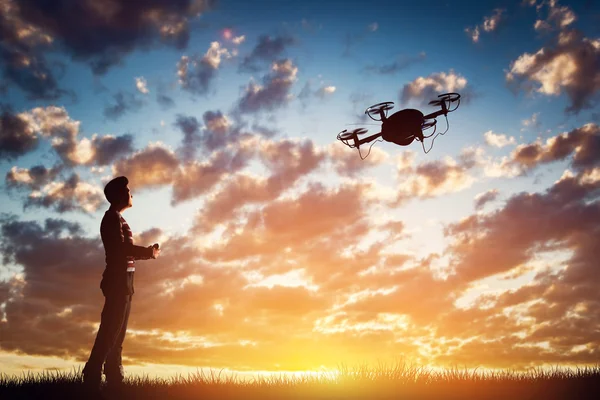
114 376
92 377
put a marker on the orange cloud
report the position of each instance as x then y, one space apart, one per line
580 142
434 178
287 160
278 275
348 163
197 178
153 166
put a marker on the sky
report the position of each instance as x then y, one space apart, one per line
282 249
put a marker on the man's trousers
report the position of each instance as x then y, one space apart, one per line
109 340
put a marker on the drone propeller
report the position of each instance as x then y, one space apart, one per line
452 96
377 109
347 135
435 103
444 101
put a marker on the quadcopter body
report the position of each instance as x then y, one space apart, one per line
404 126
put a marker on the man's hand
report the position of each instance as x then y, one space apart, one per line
155 251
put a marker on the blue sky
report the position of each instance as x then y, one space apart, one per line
322 33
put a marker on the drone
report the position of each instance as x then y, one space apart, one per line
402 127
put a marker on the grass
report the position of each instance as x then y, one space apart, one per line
396 382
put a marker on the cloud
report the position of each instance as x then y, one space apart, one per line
482 199
532 122
402 62
530 219
579 146
473 33
104 34
108 148
424 89
489 24
191 136
273 93
557 17
22 56
197 178
293 222
287 162
197 73
287 159
55 124
507 238
45 251
373 27
267 50
100 35
583 143
239 39
15 139
562 219
571 64
124 102
348 163
322 93
391 292
434 178
291 275
325 91
498 140
237 309
224 306
141 85
31 178
153 166
227 148
69 195
217 132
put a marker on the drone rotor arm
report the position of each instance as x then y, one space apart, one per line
369 138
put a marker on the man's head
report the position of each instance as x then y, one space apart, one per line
117 193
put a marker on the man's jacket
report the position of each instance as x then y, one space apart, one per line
121 254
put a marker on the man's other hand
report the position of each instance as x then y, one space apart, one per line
155 251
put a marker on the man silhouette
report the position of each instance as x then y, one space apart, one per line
116 285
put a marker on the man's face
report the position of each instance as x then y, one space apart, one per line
129 198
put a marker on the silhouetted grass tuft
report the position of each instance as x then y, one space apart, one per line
363 382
